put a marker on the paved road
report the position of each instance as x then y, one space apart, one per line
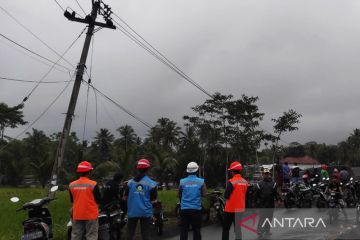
338 230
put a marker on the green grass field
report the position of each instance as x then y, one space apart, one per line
11 221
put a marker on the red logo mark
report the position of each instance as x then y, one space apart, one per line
251 217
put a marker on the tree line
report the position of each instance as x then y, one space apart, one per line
219 131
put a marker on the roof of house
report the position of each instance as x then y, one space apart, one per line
300 160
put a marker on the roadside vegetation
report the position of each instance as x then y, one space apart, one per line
11 221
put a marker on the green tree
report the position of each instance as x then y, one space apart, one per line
10 117
165 134
128 137
285 123
38 150
103 144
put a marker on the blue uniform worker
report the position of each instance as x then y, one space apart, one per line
140 192
191 189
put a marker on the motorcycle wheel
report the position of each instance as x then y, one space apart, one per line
159 227
177 212
69 233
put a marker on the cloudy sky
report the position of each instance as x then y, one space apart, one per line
297 54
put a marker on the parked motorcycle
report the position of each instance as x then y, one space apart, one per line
111 220
39 222
349 193
298 195
319 196
334 206
217 206
158 217
357 197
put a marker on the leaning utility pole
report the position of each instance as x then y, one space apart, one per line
97 8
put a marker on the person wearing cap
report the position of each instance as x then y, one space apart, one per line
267 195
85 197
139 193
191 189
235 193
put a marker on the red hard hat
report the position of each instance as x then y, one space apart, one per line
235 166
143 163
324 166
84 166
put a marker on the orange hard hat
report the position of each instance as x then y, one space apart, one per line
143 163
235 166
84 166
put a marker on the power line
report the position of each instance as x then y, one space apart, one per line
33 34
153 51
30 81
120 106
33 52
80 7
60 6
47 73
42 113
32 57
162 58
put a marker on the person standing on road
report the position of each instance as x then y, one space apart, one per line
335 176
235 193
267 195
286 173
191 189
113 190
85 197
344 175
140 193
295 174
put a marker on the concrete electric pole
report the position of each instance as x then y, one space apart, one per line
97 8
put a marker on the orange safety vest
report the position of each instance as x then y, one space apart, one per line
84 204
236 202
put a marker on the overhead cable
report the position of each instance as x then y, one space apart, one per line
33 52
47 73
119 106
42 113
30 81
33 34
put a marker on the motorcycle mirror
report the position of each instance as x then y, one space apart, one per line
54 188
14 199
351 178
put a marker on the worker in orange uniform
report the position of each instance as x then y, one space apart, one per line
235 198
85 197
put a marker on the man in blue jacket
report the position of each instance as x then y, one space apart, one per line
140 192
191 189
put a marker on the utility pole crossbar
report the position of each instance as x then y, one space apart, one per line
97 8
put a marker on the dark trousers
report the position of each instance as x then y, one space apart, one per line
229 219
265 216
193 218
145 224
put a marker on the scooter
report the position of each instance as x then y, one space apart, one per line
111 220
39 222
158 217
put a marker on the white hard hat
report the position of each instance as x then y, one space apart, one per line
192 167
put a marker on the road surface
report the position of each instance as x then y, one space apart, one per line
337 230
